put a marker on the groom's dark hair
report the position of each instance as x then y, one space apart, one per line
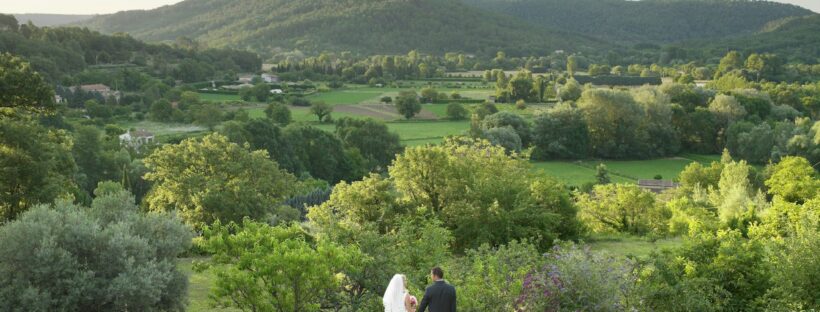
437 272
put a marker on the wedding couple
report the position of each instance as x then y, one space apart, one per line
439 297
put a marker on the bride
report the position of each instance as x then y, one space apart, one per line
397 298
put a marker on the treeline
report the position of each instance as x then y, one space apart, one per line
61 53
647 21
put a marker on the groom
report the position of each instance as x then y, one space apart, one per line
439 297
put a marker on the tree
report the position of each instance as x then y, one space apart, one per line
372 138
261 92
429 95
572 65
623 208
602 174
456 111
23 88
794 180
322 154
521 86
615 122
466 183
36 166
407 104
87 152
278 113
560 133
508 119
208 115
211 179
321 109
161 110
505 137
109 257
727 108
732 61
571 91
386 100
264 268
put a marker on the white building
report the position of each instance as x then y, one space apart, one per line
136 138
270 78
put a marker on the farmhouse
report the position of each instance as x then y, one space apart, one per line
136 138
102 89
270 78
657 186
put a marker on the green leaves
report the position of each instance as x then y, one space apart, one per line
22 88
211 179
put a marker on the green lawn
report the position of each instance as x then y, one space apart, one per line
580 172
198 288
624 246
429 129
161 129
219 97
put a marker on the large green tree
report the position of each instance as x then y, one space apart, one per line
372 138
211 179
614 121
21 87
407 104
560 133
36 166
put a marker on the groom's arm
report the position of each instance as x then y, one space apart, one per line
453 304
424 301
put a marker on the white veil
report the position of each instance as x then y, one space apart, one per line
394 295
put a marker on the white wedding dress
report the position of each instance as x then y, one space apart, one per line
394 295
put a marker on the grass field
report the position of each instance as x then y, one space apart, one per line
626 246
198 288
219 97
161 129
580 172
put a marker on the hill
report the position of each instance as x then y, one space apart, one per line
647 21
44 20
795 39
368 26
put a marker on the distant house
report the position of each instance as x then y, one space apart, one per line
277 91
237 87
58 99
491 99
657 186
136 138
270 78
102 89
243 79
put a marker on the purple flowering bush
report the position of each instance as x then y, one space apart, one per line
574 278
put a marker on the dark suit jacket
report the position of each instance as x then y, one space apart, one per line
439 297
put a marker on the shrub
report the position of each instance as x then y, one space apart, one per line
456 111
108 257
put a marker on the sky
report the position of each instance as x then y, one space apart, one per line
111 6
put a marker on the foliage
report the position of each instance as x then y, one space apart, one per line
322 110
575 278
107 257
456 111
794 180
490 278
264 268
211 179
279 113
560 133
508 119
407 104
322 154
614 121
371 138
36 166
22 87
505 137
621 208
713 272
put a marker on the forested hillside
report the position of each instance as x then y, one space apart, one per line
394 26
794 38
43 20
658 21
